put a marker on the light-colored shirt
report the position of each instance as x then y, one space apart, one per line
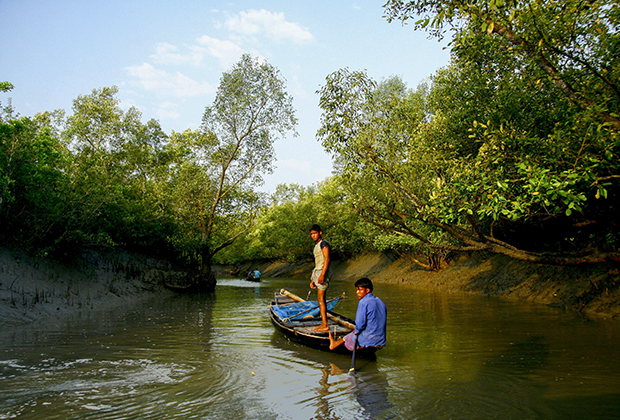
371 321
319 258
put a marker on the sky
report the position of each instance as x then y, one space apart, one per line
167 57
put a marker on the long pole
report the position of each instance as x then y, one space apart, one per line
352 370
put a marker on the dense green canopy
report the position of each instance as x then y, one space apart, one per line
512 148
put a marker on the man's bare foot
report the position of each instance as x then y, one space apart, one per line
334 343
321 328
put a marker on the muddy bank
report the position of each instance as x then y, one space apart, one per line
32 288
592 289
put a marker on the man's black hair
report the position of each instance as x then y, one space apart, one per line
315 228
364 282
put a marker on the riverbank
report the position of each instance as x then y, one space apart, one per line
34 288
592 289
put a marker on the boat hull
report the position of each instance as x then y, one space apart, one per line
302 334
301 331
251 277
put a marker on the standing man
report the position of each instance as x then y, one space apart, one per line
321 274
370 320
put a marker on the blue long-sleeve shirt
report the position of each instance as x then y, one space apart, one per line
370 321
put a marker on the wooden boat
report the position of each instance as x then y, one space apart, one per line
300 327
253 275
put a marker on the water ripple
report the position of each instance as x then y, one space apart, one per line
219 357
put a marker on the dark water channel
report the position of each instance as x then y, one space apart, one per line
219 357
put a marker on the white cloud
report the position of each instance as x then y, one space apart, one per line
166 53
167 109
246 26
164 114
164 48
168 104
227 52
274 25
162 82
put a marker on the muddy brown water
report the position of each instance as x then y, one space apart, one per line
218 357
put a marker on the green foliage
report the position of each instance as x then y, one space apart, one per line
6 86
512 148
31 183
114 173
572 45
213 171
101 177
374 134
282 229
89 179
517 138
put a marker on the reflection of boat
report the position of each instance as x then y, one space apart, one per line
369 385
297 318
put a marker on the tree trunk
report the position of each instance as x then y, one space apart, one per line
206 279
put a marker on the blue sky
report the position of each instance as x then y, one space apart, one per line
167 57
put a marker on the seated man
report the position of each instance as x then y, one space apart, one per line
370 320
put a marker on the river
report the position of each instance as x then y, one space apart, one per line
218 357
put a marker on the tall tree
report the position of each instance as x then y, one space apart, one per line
550 156
519 137
385 167
420 165
217 167
32 184
116 162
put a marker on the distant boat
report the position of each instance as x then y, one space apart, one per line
296 318
253 275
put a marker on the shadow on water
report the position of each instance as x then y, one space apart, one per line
370 387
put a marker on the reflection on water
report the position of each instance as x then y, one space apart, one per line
218 357
363 394
370 388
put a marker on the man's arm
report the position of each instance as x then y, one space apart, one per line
325 251
361 317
